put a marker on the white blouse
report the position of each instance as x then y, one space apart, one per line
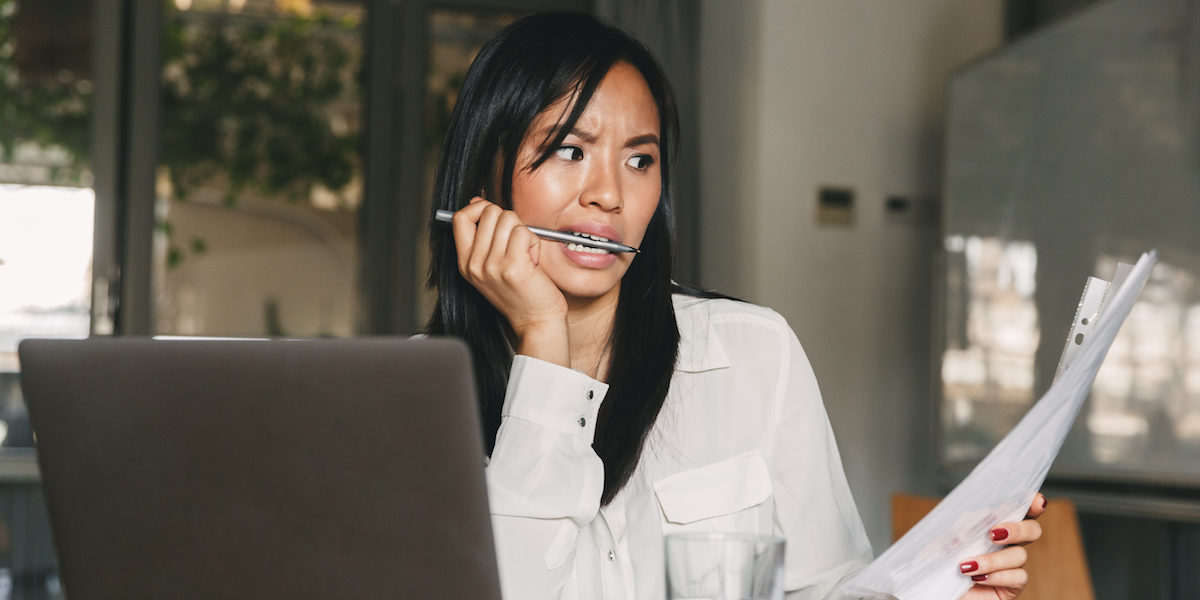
742 444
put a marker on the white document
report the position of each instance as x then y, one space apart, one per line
923 565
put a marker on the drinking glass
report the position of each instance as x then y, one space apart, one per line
724 566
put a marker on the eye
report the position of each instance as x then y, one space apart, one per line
640 162
571 153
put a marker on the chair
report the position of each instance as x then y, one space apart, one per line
1057 566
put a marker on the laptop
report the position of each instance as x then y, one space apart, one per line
261 469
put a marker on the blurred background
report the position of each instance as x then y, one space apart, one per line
921 188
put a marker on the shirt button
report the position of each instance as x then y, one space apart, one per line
612 555
582 422
590 394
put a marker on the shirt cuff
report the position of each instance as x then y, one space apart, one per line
553 396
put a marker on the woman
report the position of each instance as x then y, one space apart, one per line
617 407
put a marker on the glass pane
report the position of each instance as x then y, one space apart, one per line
455 36
45 267
260 174
1067 153
46 213
45 203
992 333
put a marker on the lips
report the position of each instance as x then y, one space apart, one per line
591 258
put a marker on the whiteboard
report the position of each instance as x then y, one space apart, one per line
1066 152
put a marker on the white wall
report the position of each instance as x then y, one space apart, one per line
300 257
798 94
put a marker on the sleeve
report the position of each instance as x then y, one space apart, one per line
814 508
544 479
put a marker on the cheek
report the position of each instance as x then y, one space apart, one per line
642 211
523 189
539 191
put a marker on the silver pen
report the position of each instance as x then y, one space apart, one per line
559 236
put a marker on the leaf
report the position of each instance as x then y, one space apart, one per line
174 257
199 245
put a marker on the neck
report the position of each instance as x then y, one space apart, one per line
590 325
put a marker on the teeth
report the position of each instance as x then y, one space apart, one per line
590 236
581 248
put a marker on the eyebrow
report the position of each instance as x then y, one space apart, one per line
638 140
589 137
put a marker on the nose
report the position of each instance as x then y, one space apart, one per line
602 188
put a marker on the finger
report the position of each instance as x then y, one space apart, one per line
464 224
473 209
1021 532
481 246
523 240
1011 557
499 258
1009 578
1038 506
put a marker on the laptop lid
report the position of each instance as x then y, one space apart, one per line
262 469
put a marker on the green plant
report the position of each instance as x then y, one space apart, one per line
256 102
50 111
250 103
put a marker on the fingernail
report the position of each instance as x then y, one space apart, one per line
1045 501
999 534
968 566
979 578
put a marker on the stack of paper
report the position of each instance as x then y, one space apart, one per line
923 565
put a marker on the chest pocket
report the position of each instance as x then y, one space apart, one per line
728 496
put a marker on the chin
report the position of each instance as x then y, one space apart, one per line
586 292
587 284
587 287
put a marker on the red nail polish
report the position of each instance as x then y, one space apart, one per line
968 566
979 578
1045 501
999 534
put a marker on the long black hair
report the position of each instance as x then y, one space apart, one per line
527 67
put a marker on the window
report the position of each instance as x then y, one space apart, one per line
260 173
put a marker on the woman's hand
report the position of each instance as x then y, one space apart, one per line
1000 575
499 256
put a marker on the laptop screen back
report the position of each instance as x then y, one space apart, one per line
262 469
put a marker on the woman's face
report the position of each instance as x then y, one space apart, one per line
604 180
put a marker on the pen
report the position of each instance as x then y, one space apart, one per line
558 236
